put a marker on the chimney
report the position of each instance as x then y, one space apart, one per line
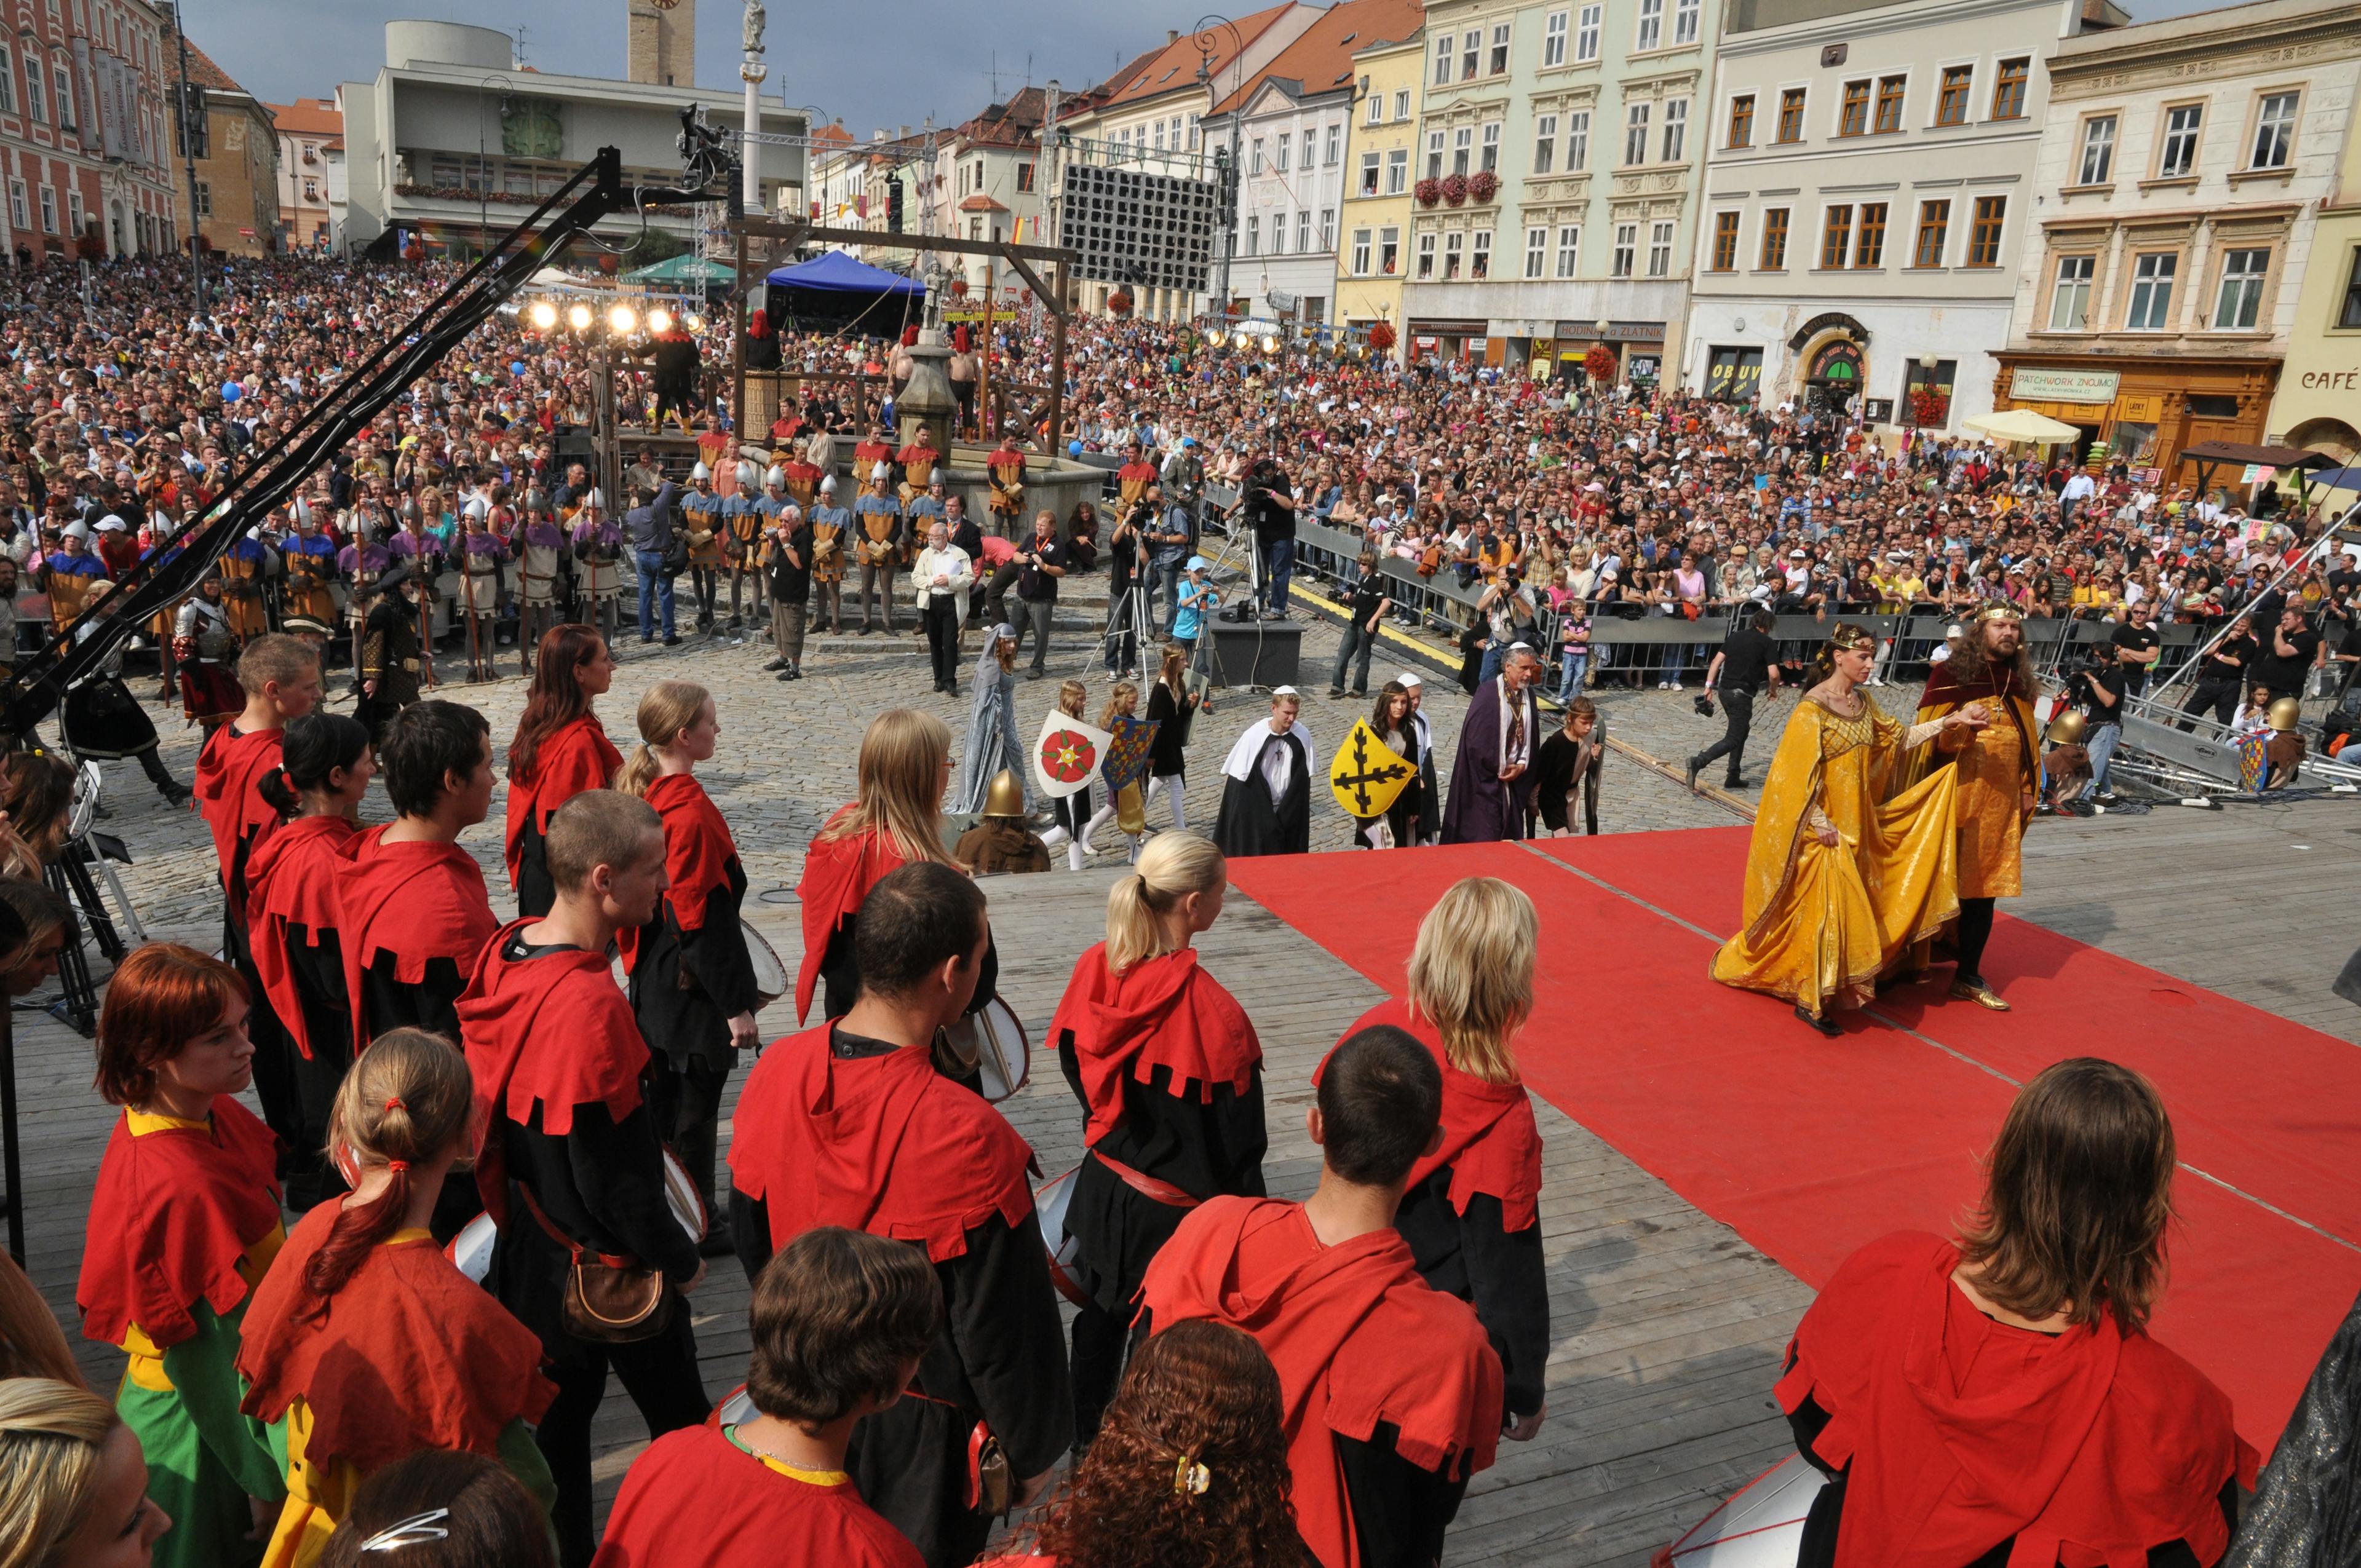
1172 37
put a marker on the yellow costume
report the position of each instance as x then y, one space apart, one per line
1822 923
1999 769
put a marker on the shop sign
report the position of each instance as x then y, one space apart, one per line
1616 331
2027 384
1877 410
2332 380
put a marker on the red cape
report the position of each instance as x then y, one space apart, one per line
170 1218
696 1497
1166 1013
553 1031
419 902
1356 1336
2090 1447
838 874
1490 1140
410 1354
577 757
289 881
227 770
698 854
880 1144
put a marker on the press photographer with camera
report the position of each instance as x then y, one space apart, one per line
2097 689
1267 497
1171 534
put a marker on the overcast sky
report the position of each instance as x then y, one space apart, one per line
876 63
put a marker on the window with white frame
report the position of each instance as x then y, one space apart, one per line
64 82
1635 133
2274 131
1254 227
1278 233
17 212
1160 135
1194 132
1586 32
203 195
37 98
1536 251
1434 154
1569 248
2098 150
1397 171
2151 306
1426 255
73 211
1544 143
1577 141
1368 174
1442 60
1686 15
1627 241
1388 251
1360 253
2241 300
8 83
1377 115
1490 160
1553 29
1455 252
1279 151
1333 150
2176 157
1402 105
1659 250
1303 230
1497 65
1652 25
1463 149
1471 54
1677 130
1481 266
1255 157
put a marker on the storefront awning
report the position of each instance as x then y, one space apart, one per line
2212 452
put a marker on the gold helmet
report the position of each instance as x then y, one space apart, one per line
2067 728
2284 713
1006 797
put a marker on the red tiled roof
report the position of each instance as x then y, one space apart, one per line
309 117
1321 59
979 203
1176 64
202 68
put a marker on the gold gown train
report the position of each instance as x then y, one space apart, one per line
1823 923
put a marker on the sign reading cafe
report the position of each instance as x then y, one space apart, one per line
2035 385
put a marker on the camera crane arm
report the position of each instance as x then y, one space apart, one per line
165 576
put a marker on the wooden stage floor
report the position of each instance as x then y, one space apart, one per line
1667 1325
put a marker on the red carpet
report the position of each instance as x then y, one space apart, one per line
1809 1147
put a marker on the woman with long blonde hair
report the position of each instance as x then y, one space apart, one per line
366 1340
895 817
1123 702
1172 706
1472 1215
1168 1073
73 1482
691 975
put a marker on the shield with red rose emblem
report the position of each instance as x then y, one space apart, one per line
1067 754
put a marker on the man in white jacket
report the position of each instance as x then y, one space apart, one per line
942 573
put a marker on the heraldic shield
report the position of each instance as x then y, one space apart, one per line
1127 754
1367 773
1066 757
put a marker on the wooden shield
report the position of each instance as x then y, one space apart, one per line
1367 777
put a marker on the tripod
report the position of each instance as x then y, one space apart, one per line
1129 634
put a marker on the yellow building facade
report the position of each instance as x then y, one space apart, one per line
1373 252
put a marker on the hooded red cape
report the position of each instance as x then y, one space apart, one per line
553 1031
578 756
696 1497
1356 1336
410 1354
171 1219
227 770
417 901
881 1144
291 882
838 874
1490 1140
2090 1447
698 854
1166 1013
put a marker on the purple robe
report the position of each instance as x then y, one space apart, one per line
1482 809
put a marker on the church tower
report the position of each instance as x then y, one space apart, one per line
663 42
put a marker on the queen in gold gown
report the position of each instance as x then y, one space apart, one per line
1845 872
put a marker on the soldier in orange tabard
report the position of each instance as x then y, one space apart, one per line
802 477
1005 471
918 458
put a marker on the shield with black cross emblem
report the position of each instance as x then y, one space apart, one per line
1367 774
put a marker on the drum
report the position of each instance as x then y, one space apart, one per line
994 1043
1050 1201
771 981
1762 1526
737 1407
470 1251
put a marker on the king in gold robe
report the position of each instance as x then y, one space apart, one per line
1824 921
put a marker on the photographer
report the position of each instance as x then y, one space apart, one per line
1171 535
1740 667
1126 577
1039 565
1269 505
2097 689
2287 653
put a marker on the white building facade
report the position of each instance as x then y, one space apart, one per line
1869 190
1293 186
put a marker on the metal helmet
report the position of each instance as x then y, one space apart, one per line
1006 797
2067 728
2284 713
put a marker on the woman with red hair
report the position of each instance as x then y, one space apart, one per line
365 1341
560 750
184 1223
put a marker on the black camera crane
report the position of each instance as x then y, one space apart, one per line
597 192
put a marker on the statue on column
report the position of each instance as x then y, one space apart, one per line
753 37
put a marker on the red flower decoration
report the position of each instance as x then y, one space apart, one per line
1119 303
1483 185
1068 756
1454 189
1381 336
1428 191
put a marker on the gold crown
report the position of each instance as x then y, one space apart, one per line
1852 637
1999 612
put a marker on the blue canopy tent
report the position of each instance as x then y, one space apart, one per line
834 292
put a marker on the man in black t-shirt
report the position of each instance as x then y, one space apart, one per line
1370 602
2287 653
2099 693
1039 565
2222 674
1745 661
2136 647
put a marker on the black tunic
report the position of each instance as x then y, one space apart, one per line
1554 778
687 985
1167 754
1499 1272
1251 824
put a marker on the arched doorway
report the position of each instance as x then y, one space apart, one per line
1833 377
2334 436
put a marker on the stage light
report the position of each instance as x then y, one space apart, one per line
659 320
543 315
578 317
621 320
1270 343
696 321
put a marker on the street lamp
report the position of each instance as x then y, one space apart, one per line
483 169
1203 36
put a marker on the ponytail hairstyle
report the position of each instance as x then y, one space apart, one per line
669 707
1172 867
1123 699
52 1435
315 747
1071 695
555 699
1170 673
406 1101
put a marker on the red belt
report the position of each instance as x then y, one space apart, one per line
1146 1185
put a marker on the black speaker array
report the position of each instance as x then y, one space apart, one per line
1147 231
